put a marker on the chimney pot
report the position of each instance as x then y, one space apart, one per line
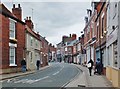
13 5
29 18
19 6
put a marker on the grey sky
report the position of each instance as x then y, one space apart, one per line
55 19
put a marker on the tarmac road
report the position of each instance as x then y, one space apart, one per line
57 75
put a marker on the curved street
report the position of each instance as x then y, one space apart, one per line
57 75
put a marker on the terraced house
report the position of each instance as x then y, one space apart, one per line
12 39
18 40
33 45
113 42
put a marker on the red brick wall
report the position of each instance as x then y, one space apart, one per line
5 42
20 35
0 41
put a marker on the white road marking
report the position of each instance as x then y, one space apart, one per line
58 71
29 81
11 80
39 79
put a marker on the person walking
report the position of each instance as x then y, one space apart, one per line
98 66
38 64
23 64
90 63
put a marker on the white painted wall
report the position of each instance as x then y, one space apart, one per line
32 49
112 34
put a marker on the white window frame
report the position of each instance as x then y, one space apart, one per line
11 20
31 41
12 46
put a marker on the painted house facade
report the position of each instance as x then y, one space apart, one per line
33 46
113 42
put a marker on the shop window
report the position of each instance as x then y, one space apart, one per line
108 61
115 54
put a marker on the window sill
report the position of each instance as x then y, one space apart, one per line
12 65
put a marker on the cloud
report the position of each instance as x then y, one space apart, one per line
55 19
57 35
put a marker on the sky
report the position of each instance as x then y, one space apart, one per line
54 18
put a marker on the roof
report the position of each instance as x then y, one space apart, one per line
28 30
72 42
7 13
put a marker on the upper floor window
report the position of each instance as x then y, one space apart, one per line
102 32
36 43
12 28
114 9
31 41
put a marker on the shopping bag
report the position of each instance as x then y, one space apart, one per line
89 65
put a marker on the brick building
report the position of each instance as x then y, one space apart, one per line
101 21
44 51
89 35
52 53
13 39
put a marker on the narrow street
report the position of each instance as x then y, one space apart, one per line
57 75
59 44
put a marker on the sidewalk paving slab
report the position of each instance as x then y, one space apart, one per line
85 80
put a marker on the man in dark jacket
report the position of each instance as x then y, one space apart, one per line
23 64
38 64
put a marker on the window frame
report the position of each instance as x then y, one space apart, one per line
11 21
14 63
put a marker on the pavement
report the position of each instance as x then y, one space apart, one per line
82 80
85 80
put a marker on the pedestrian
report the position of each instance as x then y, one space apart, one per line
98 67
23 64
38 64
90 66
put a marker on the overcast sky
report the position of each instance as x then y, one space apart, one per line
53 19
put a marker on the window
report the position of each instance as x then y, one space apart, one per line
114 9
115 53
36 43
102 32
31 57
97 32
12 28
12 55
108 61
31 42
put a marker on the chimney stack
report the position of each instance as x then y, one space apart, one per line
29 23
17 11
74 36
